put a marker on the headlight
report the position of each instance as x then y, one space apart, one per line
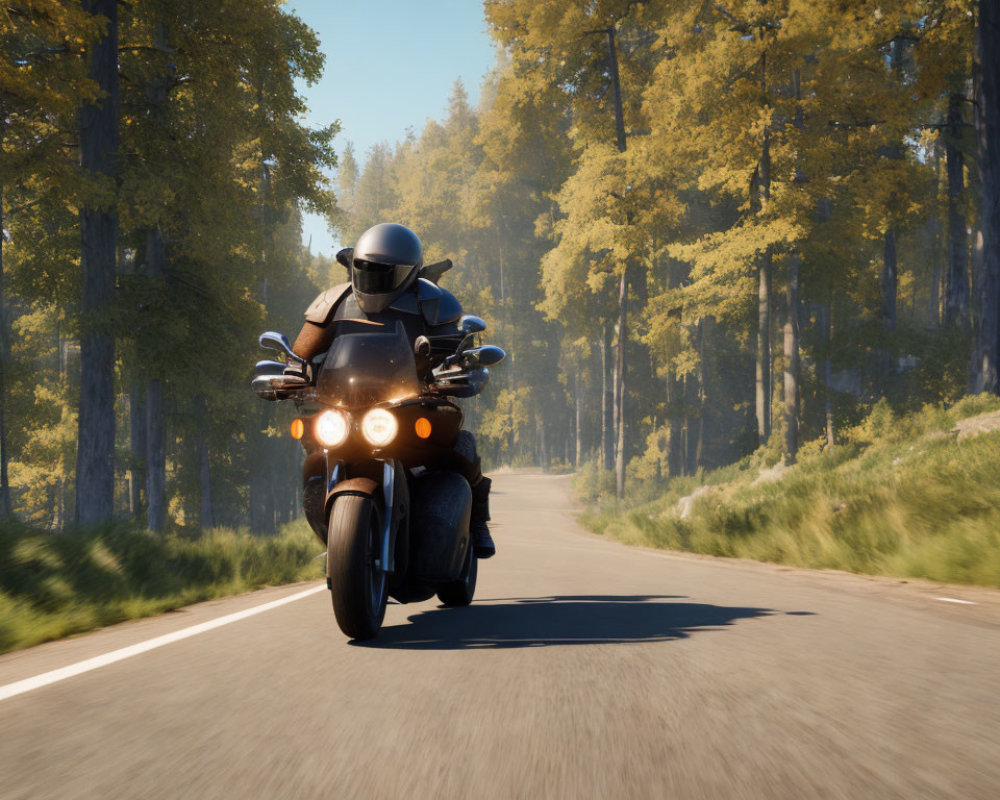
331 428
379 427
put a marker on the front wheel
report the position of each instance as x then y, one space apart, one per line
460 592
357 585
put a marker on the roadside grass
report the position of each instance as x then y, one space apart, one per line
900 497
54 585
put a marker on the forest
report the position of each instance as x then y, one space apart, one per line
698 229
154 172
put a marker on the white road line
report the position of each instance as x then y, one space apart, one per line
56 675
953 600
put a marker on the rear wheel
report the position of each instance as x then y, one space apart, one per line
357 585
460 592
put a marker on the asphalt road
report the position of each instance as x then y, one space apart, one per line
585 669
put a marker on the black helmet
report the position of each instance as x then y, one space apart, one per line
385 263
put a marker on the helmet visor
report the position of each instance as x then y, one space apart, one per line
372 278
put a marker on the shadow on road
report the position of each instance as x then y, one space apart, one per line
546 621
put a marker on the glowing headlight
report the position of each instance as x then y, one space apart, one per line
331 428
379 427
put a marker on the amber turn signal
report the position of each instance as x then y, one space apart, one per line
298 428
423 427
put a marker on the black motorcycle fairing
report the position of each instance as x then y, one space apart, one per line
367 364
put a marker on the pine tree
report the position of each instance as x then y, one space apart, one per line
987 367
95 468
42 82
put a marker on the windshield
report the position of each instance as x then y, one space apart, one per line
368 363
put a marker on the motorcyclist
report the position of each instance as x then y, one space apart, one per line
389 283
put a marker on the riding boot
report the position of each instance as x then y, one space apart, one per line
482 542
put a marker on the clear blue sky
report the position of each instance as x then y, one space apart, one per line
390 64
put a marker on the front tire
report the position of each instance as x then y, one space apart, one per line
461 592
358 588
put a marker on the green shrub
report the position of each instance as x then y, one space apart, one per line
975 404
592 482
879 425
52 585
894 500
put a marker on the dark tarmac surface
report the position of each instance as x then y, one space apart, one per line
585 669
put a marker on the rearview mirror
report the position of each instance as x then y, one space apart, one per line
485 356
470 324
276 341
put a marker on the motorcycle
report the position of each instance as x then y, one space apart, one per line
384 488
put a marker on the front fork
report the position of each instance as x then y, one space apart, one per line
386 562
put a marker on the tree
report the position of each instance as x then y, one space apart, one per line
285 163
42 82
987 375
95 468
738 100
578 46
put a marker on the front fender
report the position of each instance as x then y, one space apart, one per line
391 497
365 487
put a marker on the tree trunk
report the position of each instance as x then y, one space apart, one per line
261 520
617 88
699 453
762 399
934 299
987 376
889 275
156 437
543 445
138 447
827 325
512 430
685 430
61 516
887 310
889 280
692 420
281 485
204 474
607 428
601 449
792 361
675 454
615 395
156 457
5 504
620 366
956 304
977 256
619 400
578 453
95 466
503 295
149 453
270 473
261 491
